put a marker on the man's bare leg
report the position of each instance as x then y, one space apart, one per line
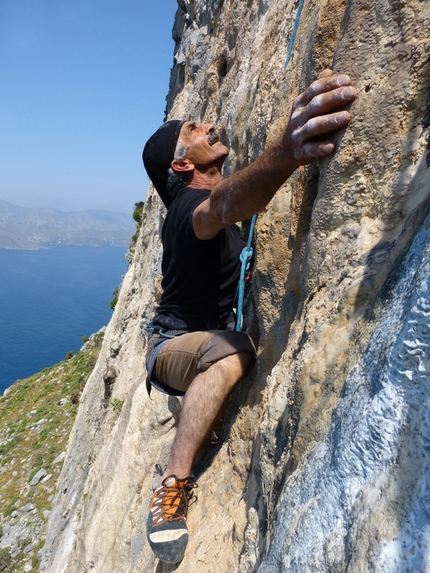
203 403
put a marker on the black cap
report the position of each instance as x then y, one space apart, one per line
158 155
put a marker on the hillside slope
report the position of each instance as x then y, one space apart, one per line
324 462
37 415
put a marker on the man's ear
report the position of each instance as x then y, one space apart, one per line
183 164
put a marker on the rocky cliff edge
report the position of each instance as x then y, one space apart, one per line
324 460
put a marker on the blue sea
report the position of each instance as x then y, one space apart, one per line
49 299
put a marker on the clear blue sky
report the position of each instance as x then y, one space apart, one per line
83 85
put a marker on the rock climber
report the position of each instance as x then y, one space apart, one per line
193 348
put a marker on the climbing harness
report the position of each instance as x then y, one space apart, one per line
245 259
294 32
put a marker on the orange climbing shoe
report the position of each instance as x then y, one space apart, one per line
166 525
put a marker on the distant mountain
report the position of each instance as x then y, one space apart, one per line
23 228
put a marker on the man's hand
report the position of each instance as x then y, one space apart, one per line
316 113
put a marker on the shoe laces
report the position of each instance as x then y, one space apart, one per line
171 501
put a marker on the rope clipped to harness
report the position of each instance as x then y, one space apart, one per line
248 252
245 259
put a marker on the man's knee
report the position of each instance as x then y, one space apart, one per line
236 366
232 349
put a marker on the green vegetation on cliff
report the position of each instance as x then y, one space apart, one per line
36 415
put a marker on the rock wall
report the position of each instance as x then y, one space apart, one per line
323 464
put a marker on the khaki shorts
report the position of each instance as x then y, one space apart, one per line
182 358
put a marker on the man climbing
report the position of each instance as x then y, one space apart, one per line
194 349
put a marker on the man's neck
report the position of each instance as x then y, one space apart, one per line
206 179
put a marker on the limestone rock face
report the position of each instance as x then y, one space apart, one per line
324 463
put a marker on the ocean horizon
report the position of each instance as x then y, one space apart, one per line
49 300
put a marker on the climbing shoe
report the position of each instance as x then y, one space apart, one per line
166 528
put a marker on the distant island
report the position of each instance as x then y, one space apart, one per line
23 228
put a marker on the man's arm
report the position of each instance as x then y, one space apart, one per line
315 113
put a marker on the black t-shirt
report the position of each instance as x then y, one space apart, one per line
199 277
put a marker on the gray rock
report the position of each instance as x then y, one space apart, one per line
38 477
28 507
59 458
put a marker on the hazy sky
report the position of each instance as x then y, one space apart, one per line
83 85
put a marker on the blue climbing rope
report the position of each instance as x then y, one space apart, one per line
294 32
245 259
248 252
